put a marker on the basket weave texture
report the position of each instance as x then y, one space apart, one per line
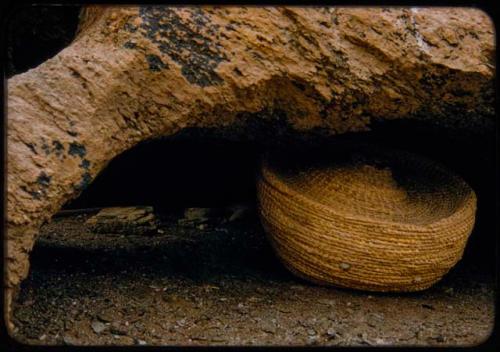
365 217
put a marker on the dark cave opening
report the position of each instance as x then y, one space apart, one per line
202 169
176 174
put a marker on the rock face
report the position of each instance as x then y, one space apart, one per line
136 73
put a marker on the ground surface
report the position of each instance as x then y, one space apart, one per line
219 283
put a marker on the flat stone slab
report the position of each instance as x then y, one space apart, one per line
126 220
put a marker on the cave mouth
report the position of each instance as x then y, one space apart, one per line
206 169
173 173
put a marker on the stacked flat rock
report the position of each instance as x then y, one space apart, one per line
126 220
365 217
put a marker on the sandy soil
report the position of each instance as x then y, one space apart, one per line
218 283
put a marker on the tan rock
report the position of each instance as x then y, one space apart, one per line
136 73
127 220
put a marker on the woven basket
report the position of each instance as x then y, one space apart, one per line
365 217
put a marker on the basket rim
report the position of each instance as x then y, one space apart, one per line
469 201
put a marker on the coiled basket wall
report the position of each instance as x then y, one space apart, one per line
365 217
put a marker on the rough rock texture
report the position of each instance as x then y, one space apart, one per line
137 73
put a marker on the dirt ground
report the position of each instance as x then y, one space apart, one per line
218 283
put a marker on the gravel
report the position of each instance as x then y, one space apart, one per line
223 285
